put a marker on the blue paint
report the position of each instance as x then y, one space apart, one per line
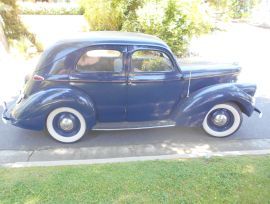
126 96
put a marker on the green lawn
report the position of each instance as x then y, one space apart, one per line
215 180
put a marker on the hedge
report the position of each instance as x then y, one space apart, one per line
43 8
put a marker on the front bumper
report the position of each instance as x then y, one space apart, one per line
6 117
258 111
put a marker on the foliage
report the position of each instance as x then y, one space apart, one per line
153 65
13 28
239 179
4 7
233 8
130 14
111 14
174 21
40 8
103 15
150 61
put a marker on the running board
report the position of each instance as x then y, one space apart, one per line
133 125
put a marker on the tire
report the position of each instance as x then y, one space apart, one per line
223 120
66 125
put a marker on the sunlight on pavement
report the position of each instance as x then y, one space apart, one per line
197 149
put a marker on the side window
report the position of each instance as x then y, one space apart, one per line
150 61
100 61
58 67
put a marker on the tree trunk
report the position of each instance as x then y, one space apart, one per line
3 41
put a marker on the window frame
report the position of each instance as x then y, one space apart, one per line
100 47
151 49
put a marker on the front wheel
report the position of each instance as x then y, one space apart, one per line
66 124
223 120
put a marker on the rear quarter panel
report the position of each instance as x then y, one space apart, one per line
32 112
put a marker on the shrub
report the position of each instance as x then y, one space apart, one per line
103 15
174 21
41 8
233 8
130 15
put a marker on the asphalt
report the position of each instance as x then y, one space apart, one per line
253 128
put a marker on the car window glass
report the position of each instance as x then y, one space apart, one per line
150 61
100 61
58 67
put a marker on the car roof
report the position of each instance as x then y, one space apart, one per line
66 46
116 37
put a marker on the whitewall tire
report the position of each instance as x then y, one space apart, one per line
223 120
66 125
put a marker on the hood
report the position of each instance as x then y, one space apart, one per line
206 70
202 74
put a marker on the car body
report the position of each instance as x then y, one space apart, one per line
120 80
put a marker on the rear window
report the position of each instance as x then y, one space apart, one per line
100 61
58 67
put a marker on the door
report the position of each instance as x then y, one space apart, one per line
100 72
154 84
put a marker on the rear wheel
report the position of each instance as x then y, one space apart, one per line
223 120
66 124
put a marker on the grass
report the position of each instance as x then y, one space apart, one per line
215 180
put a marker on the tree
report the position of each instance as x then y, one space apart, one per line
3 39
12 25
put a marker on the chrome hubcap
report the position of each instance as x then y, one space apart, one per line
66 124
220 119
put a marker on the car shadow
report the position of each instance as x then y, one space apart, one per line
167 140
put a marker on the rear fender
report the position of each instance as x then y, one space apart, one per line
32 112
192 110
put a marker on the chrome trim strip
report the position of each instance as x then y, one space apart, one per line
84 81
135 128
153 80
112 81
139 81
213 75
189 81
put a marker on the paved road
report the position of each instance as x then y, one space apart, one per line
253 128
13 138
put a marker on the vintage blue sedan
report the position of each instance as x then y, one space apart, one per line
118 80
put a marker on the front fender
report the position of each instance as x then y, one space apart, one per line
32 112
191 110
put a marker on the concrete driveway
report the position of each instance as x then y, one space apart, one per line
250 45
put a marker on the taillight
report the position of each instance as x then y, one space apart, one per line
38 78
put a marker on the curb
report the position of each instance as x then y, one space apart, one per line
133 159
